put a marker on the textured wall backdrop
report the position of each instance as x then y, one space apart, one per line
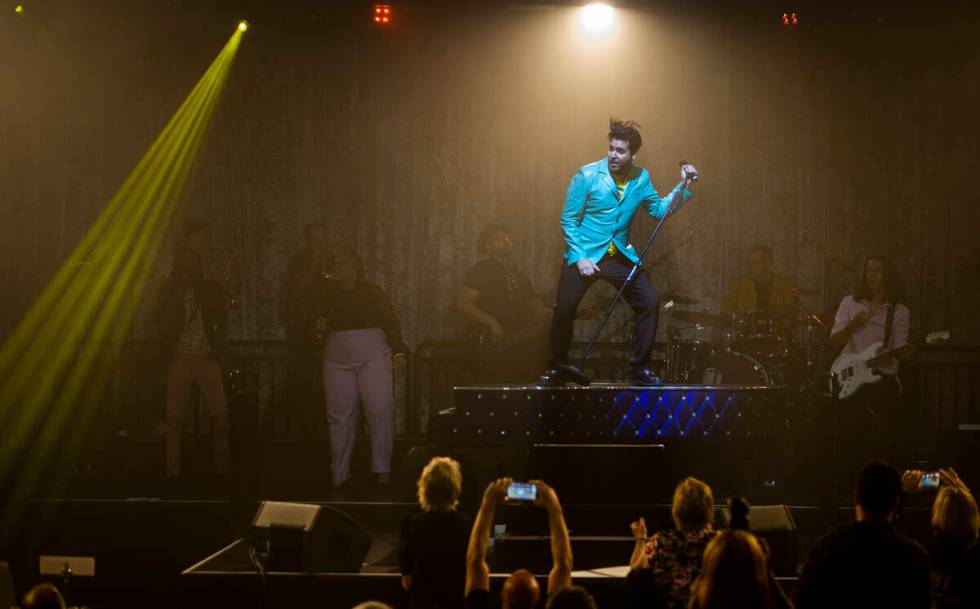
859 132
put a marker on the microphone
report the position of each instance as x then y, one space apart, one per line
691 176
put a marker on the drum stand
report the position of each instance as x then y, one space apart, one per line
812 322
574 373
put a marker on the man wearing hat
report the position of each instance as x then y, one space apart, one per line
509 319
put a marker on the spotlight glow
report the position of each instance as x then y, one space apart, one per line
242 25
597 19
19 9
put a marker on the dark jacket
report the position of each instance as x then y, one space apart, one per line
171 316
433 552
866 564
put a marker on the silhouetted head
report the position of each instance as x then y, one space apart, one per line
521 591
877 491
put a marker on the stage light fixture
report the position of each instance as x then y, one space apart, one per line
19 9
242 25
382 14
790 19
597 19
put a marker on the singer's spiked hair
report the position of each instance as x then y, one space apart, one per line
628 131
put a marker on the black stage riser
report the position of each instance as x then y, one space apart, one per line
610 414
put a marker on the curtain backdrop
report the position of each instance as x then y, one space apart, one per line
858 133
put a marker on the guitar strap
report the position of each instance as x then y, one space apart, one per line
889 318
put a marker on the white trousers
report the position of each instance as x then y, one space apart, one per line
357 368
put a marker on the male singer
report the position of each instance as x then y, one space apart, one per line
599 205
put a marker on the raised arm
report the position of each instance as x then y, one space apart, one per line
561 545
477 570
657 206
639 558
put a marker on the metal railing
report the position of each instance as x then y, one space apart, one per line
943 385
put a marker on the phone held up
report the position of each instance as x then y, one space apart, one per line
522 492
930 480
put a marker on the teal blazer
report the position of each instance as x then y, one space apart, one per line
593 217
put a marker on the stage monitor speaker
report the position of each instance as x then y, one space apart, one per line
775 524
308 537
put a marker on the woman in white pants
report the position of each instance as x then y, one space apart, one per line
363 344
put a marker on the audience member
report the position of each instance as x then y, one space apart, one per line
953 545
373 605
433 546
733 574
192 319
738 518
521 590
363 346
44 596
572 597
674 556
868 563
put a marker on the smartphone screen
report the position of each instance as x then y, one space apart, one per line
521 491
929 480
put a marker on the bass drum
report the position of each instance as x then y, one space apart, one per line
734 368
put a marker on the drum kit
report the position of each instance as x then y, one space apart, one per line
750 348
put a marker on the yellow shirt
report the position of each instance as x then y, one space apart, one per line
620 188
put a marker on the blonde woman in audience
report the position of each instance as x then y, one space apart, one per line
433 545
674 556
953 547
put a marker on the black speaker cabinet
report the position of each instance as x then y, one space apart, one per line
309 538
774 524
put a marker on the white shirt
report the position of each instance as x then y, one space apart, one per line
874 329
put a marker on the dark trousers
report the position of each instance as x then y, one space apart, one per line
640 295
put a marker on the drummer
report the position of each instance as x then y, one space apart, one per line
761 290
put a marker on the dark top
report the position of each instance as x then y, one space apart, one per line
364 306
763 294
478 599
866 564
505 292
298 307
433 552
955 575
171 316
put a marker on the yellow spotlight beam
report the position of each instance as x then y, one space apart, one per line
61 357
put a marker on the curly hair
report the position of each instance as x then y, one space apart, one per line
894 284
628 131
440 485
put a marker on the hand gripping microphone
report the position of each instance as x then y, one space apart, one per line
692 176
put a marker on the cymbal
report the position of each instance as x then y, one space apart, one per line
679 298
698 317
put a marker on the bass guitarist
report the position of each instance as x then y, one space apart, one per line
874 313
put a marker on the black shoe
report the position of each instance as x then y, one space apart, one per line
645 377
550 378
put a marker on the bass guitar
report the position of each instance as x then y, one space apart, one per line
854 370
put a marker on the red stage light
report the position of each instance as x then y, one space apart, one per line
382 14
790 19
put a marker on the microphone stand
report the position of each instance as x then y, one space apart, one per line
829 258
574 373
